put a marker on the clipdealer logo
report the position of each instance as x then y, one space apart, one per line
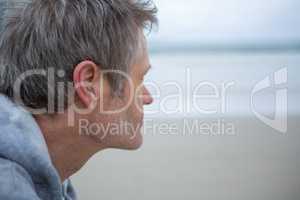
277 81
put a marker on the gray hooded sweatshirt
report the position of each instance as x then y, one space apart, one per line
26 170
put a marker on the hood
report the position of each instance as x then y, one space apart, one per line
22 141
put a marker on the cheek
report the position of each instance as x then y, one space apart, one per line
135 112
139 105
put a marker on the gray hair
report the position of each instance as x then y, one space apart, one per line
39 34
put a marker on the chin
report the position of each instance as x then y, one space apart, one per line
135 140
131 143
134 143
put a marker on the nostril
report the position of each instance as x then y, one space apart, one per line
148 99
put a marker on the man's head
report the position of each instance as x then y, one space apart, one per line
84 57
114 121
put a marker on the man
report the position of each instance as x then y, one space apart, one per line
71 85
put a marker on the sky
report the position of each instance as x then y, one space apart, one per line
215 21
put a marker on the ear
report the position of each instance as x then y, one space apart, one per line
86 78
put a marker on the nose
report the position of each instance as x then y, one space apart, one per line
147 98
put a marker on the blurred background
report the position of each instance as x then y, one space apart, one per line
240 138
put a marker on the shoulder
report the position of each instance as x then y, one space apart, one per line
15 181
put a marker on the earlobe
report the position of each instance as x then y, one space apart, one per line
85 77
92 92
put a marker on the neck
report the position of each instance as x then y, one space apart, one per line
68 151
68 158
